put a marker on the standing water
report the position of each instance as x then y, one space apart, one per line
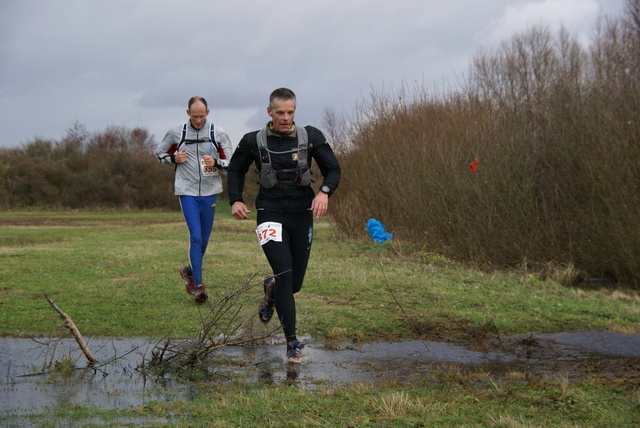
29 382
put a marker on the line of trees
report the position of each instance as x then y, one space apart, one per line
115 168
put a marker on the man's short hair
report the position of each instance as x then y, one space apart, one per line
281 94
194 100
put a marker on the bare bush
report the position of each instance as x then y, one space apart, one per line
114 168
222 324
121 139
555 128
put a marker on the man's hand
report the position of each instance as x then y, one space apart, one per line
240 211
208 160
320 204
180 157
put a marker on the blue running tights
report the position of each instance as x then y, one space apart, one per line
198 212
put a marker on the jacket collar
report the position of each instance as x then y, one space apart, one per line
271 131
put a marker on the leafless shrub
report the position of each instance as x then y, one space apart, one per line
115 168
121 139
223 323
554 126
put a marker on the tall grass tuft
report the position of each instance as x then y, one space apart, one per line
555 128
395 404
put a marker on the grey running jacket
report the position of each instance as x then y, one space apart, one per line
190 178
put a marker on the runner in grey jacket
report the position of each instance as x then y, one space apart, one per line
190 178
198 159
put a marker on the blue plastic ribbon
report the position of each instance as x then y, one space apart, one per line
377 231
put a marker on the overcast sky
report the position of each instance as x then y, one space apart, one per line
135 63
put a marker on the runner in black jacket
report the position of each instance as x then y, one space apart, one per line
286 210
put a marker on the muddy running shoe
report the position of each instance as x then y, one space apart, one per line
265 310
187 276
294 352
200 293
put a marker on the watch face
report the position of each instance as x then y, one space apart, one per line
325 189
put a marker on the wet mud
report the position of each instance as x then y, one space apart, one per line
28 381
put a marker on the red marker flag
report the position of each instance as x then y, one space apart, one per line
474 165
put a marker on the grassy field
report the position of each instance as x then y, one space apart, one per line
116 274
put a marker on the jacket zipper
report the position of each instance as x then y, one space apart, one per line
198 163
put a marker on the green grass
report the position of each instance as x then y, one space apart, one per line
116 274
458 402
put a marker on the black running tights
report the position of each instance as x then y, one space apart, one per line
288 260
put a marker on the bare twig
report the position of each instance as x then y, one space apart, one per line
68 323
401 308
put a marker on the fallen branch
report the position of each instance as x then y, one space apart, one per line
68 323
222 325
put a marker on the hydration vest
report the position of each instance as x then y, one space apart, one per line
268 177
214 143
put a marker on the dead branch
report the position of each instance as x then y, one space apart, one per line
68 323
220 325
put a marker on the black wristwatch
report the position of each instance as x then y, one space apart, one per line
325 189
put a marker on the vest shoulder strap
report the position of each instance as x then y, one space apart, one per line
303 145
182 137
261 139
217 145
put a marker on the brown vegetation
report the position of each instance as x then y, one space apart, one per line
111 169
555 127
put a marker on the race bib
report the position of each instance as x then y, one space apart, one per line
208 171
269 231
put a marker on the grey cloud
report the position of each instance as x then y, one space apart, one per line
134 63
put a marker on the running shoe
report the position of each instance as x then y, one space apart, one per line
200 293
294 352
265 310
187 276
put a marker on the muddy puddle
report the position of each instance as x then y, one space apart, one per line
120 384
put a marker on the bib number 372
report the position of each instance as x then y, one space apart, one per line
269 231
